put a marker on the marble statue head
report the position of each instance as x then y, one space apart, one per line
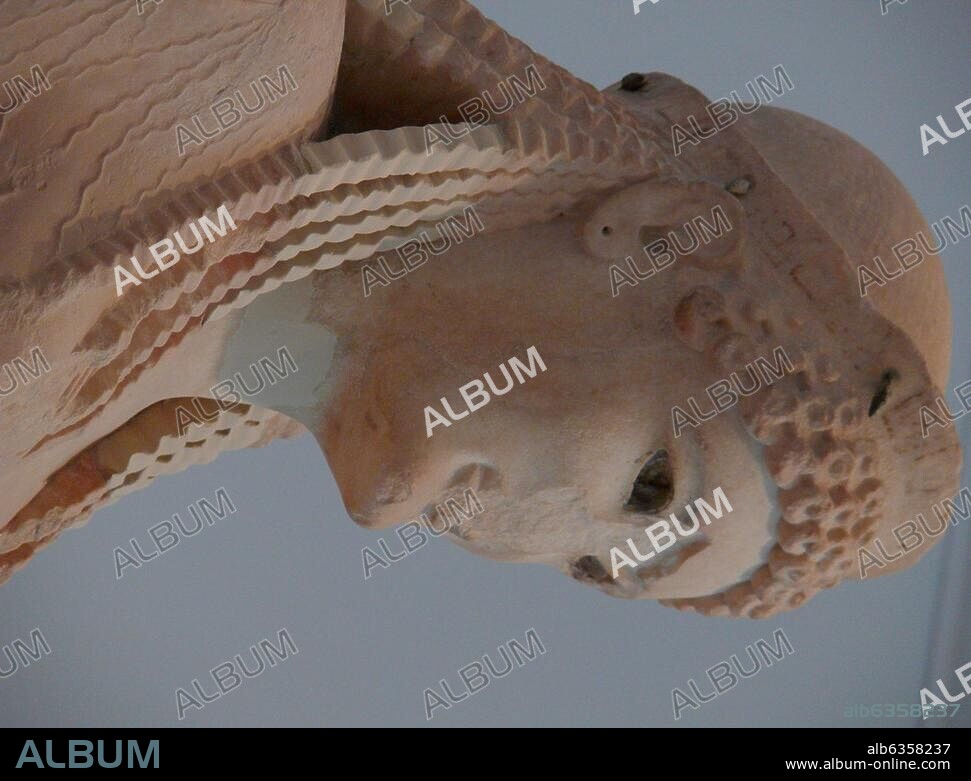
648 358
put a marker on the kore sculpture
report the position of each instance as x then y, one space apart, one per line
185 191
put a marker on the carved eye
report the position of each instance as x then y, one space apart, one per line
883 390
654 486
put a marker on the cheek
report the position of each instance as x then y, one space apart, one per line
587 510
537 528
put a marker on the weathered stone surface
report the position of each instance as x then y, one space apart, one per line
394 130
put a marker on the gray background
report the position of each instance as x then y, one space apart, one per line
290 557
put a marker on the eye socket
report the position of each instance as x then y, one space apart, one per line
653 488
883 390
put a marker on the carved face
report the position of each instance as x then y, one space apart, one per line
571 388
585 455
554 461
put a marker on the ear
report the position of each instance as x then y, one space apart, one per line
638 215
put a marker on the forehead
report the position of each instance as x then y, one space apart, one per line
504 287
